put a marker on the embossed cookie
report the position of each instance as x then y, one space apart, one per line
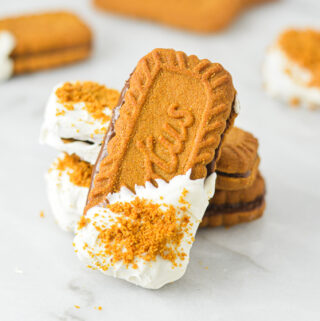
174 110
238 163
234 207
40 41
149 187
207 16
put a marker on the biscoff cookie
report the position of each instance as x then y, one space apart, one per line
207 16
149 188
167 140
238 163
292 68
39 41
233 207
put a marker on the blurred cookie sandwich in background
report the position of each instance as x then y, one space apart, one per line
291 69
34 42
204 16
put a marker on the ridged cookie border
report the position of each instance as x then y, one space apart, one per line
213 76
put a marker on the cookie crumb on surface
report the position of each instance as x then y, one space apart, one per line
77 306
41 214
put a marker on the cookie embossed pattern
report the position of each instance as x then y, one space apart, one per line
167 128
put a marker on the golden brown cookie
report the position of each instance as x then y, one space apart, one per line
170 118
238 163
47 40
204 16
233 207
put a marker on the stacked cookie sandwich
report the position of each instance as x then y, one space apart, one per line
77 131
240 188
76 118
135 212
291 69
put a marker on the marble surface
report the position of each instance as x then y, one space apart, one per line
266 270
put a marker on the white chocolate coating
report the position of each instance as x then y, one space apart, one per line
287 81
76 124
155 274
66 199
7 44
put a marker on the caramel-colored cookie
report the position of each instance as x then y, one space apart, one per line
172 114
207 16
233 207
47 40
238 163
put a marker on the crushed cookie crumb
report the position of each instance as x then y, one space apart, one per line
83 222
303 47
60 112
77 306
95 96
294 102
182 200
78 171
143 230
41 214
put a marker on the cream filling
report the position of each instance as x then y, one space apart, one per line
236 105
287 81
7 44
155 274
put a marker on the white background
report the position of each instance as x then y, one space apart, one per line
266 270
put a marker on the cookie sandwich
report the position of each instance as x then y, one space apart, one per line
77 117
240 188
229 208
238 164
34 42
149 187
291 68
207 16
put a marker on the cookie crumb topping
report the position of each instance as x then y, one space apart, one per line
78 171
95 96
303 47
83 222
140 229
